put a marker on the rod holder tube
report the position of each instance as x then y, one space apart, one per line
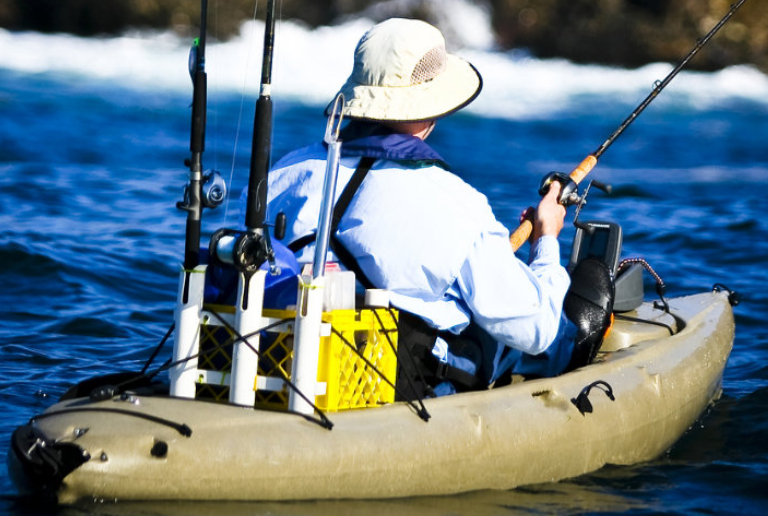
245 360
326 209
306 347
311 294
186 342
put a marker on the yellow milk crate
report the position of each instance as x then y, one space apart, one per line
350 381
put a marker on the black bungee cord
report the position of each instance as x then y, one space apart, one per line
420 410
661 287
323 421
157 349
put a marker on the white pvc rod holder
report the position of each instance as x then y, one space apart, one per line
186 344
306 347
245 361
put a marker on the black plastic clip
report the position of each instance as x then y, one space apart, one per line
733 297
582 400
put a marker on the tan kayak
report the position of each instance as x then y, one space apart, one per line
159 448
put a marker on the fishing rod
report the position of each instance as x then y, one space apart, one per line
193 194
261 146
523 232
248 250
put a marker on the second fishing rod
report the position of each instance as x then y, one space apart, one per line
577 175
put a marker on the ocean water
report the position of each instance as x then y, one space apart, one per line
93 134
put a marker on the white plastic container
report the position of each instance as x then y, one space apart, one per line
376 298
339 291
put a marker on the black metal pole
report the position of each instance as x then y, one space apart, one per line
262 133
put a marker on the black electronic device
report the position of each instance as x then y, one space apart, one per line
597 239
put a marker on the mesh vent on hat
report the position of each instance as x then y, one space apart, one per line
429 66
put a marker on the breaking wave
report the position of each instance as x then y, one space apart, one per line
310 64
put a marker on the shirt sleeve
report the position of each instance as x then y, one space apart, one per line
519 305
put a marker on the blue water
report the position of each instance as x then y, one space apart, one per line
91 241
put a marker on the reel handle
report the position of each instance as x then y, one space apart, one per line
569 191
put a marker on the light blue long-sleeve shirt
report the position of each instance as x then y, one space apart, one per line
432 240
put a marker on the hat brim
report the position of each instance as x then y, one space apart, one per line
458 85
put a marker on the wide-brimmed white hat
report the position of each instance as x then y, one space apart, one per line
403 73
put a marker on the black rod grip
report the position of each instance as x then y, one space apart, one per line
260 161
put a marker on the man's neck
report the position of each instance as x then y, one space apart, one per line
420 129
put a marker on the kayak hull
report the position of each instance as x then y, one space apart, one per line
529 432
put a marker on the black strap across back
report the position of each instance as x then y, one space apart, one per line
415 335
344 256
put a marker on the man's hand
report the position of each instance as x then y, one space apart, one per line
550 214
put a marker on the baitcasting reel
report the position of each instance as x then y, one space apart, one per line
569 195
247 250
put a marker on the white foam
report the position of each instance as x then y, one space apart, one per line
309 66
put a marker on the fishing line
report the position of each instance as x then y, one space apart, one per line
661 84
247 67
215 111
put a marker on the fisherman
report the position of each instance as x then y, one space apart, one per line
470 310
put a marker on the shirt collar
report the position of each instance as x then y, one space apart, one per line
366 139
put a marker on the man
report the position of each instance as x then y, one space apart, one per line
470 310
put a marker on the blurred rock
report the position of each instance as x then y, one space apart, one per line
615 32
634 32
